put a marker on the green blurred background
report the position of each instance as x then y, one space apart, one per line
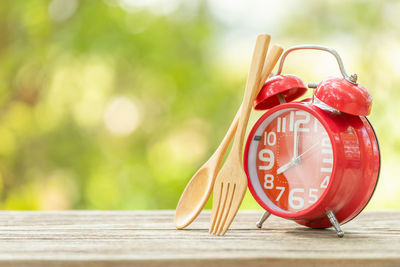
115 104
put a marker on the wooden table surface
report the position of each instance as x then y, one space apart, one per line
148 238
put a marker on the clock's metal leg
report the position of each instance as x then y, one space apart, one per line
335 223
265 216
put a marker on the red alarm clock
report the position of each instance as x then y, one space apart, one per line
316 161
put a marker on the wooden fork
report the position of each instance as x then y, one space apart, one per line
231 183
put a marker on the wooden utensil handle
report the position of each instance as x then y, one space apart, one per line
257 62
218 154
273 56
253 88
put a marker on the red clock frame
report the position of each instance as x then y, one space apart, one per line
355 172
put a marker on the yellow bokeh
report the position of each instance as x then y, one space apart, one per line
115 104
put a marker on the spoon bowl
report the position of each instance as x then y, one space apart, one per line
198 191
199 188
195 196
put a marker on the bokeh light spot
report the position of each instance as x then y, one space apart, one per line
60 10
121 116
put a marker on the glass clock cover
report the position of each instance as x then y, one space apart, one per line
290 160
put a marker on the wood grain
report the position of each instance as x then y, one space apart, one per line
231 182
149 238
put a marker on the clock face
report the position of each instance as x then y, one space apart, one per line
290 160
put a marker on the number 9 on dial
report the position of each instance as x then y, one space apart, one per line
307 163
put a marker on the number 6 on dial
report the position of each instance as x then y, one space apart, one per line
322 153
315 162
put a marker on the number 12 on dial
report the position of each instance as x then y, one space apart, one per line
294 160
298 157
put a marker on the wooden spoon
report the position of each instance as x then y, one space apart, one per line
199 188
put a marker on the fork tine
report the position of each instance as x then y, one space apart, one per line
233 163
227 210
221 209
232 213
217 192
